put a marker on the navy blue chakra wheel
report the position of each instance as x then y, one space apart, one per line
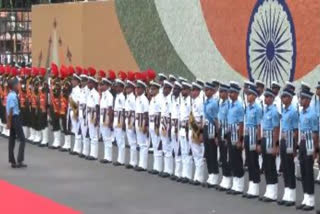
271 42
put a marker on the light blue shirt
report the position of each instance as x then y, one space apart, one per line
210 109
12 103
289 119
235 112
253 115
223 110
308 120
271 118
315 104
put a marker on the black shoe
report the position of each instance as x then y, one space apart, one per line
139 169
195 183
53 147
104 161
117 164
63 150
290 203
317 181
230 192
184 180
300 207
91 158
153 172
129 166
236 192
165 175
266 200
13 165
73 153
43 145
179 180
173 178
82 156
244 195
209 186
251 196
221 189
307 208
318 212
281 203
21 165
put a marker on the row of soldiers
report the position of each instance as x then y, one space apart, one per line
185 124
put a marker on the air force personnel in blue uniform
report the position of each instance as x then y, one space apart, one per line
210 111
308 126
235 119
288 146
252 140
270 140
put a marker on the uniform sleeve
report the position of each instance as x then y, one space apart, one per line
259 115
110 101
240 113
146 105
275 118
295 119
97 99
315 124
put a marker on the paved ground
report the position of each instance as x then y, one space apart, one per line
95 188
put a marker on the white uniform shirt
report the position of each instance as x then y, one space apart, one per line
165 106
93 100
197 108
119 106
105 103
278 103
185 108
142 104
84 92
130 103
76 94
154 109
175 107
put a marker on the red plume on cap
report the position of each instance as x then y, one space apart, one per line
7 69
22 71
34 71
130 76
54 70
14 71
102 74
71 70
2 69
63 72
111 75
78 70
144 76
138 75
151 74
43 72
28 71
85 72
122 75
92 71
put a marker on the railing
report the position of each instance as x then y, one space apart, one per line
15 35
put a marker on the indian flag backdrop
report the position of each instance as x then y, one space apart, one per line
222 39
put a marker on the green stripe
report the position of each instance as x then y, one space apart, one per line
147 38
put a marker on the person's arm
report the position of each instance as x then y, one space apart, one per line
9 118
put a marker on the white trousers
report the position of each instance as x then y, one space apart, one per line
177 154
186 156
107 137
157 151
132 140
120 139
94 140
143 143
